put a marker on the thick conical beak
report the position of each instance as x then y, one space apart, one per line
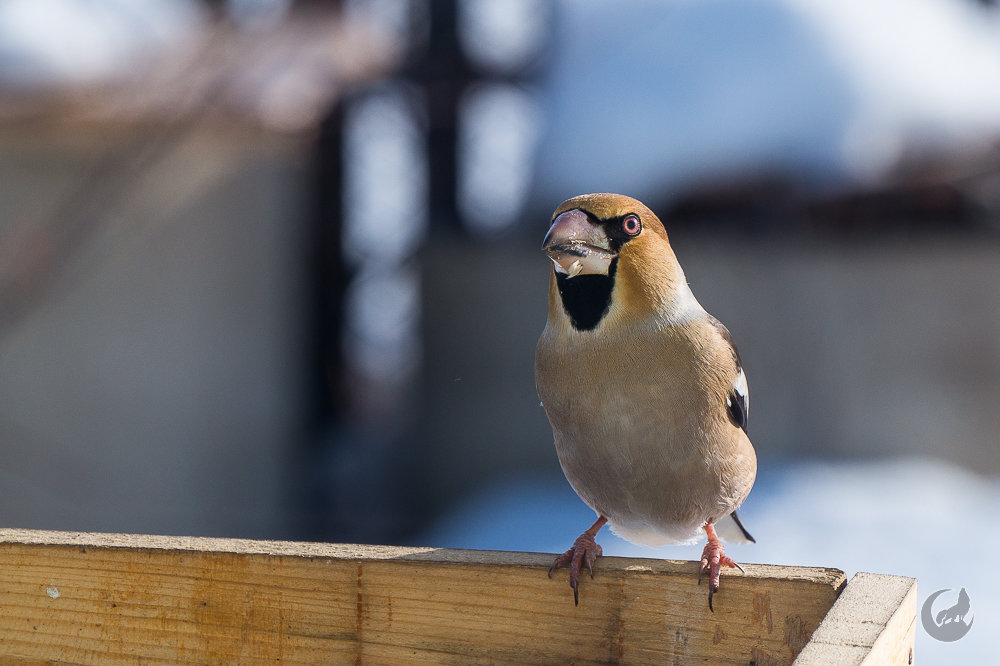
576 246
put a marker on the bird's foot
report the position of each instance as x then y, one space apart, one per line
713 558
585 551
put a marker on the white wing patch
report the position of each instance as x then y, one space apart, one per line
742 390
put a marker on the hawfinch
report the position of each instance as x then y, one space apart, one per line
644 389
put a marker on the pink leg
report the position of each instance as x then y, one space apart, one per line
713 558
584 551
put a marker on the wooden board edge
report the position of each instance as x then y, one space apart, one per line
896 642
834 578
872 622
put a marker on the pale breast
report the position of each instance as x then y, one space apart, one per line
641 431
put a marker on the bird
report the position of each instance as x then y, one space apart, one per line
644 389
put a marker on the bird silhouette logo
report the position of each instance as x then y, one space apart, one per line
948 624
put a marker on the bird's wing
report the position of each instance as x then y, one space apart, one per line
731 530
738 400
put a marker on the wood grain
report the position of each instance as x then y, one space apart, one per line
96 598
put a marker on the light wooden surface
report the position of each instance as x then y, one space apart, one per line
99 598
873 622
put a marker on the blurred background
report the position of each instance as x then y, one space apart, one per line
270 268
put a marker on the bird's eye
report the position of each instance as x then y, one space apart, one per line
631 225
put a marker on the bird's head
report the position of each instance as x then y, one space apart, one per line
611 253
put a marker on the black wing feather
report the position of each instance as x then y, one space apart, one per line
739 524
736 401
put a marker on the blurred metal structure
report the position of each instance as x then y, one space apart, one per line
442 147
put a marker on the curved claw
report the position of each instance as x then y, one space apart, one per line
713 558
585 551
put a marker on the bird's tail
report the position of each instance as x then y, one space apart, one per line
730 529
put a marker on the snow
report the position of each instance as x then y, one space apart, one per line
649 98
914 517
47 43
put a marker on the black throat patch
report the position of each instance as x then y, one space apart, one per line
586 298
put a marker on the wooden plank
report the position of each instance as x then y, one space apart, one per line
873 622
98 598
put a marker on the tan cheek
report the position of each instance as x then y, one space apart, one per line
631 279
